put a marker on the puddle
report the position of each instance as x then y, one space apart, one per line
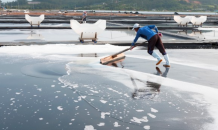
207 35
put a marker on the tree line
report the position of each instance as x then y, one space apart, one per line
158 5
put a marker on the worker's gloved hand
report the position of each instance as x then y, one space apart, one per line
132 46
160 34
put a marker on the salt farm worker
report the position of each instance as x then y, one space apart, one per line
153 39
84 17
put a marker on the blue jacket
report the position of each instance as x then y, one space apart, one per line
146 32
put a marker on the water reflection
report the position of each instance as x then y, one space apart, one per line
117 63
150 89
202 34
35 36
188 32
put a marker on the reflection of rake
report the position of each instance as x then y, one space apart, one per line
147 93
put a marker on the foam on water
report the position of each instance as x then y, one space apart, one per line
116 124
139 120
60 108
89 127
103 114
101 124
103 101
154 110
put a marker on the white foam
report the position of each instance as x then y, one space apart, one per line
151 115
103 114
94 91
139 110
18 93
83 97
147 127
114 90
39 89
154 110
126 95
89 127
103 101
12 99
101 124
40 119
60 108
116 124
139 120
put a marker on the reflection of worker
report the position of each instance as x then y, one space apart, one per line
152 89
149 92
153 40
84 17
162 74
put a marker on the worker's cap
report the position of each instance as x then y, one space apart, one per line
84 11
135 26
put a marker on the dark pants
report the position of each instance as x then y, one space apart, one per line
84 19
156 41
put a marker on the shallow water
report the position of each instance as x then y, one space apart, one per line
67 35
53 87
201 34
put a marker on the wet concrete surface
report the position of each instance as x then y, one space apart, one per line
71 90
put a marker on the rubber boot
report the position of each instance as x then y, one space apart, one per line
158 71
166 57
166 72
155 55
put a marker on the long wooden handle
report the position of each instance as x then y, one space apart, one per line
114 55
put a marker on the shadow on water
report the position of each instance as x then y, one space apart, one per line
150 90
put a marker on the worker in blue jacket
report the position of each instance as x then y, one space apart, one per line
153 39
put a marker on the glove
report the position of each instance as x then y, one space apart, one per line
160 35
132 46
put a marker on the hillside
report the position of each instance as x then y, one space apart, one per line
159 5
